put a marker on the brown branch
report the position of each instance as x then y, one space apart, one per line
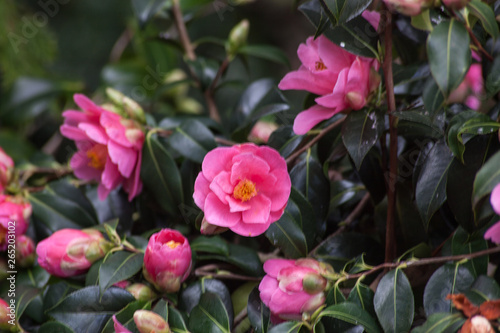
425 261
308 145
390 240
225 142
215 272
350 218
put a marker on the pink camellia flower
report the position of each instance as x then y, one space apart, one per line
6 166
293 287
244 188
109 147
471 89
167 261
455 4
25 251
70 252
14 218
408 7
343 80
493 233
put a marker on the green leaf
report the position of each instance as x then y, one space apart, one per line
335 295
92 276
420 119
266 52
394 302
24 296
422 21
449 54
362 296
146 9
214 244
161 175
117 267
492 83
484 289
430 190
441 322
161 308
84 311
126 316
258 313
486 179
344 10
448 279
210 315
241 256
486 15
361 131
193 140
286 233
433 97
303 213
176 321
351 313
288 327
55 327
343 191
463 243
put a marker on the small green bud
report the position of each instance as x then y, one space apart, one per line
150 322
131 108
237 38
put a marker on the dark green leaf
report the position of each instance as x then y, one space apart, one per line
118 267
176 321
92 276
258 313
126 316
484 288
463 243
351 313
192 140
265 52
286 233
241 256
24 296
343 191
55 293
433 97
421 119
288 327
215 245
344 10
85 311
161 308
55 327
362 296
394 302
361 131
335 295
449 54
303 212
146 9
486 15
210 315
441 322
486 179
492 83
448 279
161 175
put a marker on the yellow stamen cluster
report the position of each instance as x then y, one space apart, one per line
245 190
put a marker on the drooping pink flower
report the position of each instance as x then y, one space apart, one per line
455 4
293 287
25 251
70 252
109 147
471 89
167 260
244 188
493 233
343 80
6 166
14 218
408 7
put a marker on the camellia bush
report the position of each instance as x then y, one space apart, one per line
237 166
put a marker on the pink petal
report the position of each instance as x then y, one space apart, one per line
303 79
309 118
103 192
80 165
125 158
73 133
133 185
114 128
218 213
201 190
284 304
358 78
74 117
217 160
279 192
119 328
86 104
495 199
236 205
267 287
246 165
493 233
221 186
110 177
259 211
372 17
249 229
272 158
94 132
273 266
334 57
308 53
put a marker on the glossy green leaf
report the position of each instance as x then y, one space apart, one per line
161 175
303 212
146 9
119 266
215 245
463 243
266 52
258 313
210 315
422 119
85 311
441 322
241 256
92 276
24 296
176 321
394 302
486 179
433 97
430 190
126 316
422 21
361 131
161 308
55 293
362 296
343 191
484 289
486 15
448 279
193 140
492 83
351 313
286 233
344 10
449 54
335 295
55 327
288 327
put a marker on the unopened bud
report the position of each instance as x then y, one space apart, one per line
141 292
313 283
150 322
25 251
210 229
479 324
130 107
237 38
455 4
409 7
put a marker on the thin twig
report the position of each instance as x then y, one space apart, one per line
120 45
214 271
225 142
308 145
241 316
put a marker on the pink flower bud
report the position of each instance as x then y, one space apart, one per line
150 322
293 287
455 4
408 7
25 251
70 252
141 292
261 131
122 284
14 216
167 261
6 166
210 229
4 315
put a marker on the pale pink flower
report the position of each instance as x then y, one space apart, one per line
6 166
343 80
109 147
493 233
167 260
244 188
471 89
14 217
408 7
70 252
293 287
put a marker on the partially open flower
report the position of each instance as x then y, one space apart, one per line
6 314
14 217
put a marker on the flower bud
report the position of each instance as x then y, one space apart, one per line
141 292
150 322
122 284
237 38
25 251
6 167
455 4
14 217
479 324
70 252
261 131
409 7
7 317
313 283
131 108
210 229
167 260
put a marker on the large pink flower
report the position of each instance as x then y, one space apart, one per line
292 287
244 188
471 89
343 80
109 147
493 233
14 218
6 166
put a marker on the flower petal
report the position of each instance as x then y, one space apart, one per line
125 158
493 233
218 213
259 211
246 165
94 132
272 267
309 118
201 190
495 199
218 160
